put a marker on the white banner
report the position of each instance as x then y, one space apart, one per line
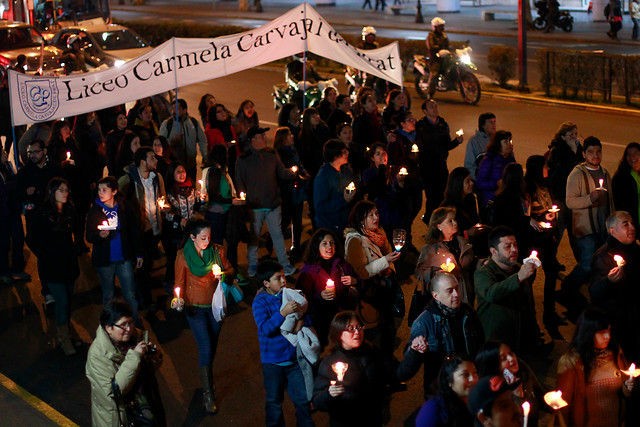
181 62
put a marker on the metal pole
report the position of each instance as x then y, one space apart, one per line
522 46
175 74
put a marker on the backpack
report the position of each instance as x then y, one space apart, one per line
172 121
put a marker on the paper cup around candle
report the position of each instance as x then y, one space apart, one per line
331 286
216 270
415 149
460 132
632 372
243 196
403 172
554 209
351 187
555 400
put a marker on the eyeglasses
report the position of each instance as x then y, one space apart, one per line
353 328
124 326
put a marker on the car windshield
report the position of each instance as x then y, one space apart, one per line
118 40
19 38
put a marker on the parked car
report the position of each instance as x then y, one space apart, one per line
19 38
111 44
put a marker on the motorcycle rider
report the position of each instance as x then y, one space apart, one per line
437 41
552 15
74 58
368 39
296 73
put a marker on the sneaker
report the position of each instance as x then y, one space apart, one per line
26 277
290 270
48 299
252 271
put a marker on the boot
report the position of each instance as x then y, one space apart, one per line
208 394
65 341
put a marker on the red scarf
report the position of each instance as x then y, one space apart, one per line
376 236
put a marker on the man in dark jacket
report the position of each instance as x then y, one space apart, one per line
257 173
434 133
505 298
117 248
449 325
614 281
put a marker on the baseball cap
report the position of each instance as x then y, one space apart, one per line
255 130
486 391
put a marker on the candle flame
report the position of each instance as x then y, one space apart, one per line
177 290
330 284
351 186
68 155
415 149
526 407
403 171
243 196
619 260
340 369
216 270
534 254
601 181
554 207
555 400
460 132
294 169
632 372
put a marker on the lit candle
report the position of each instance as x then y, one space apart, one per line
526 407
103 226
533 259
331 286
340 369
216 270
351 187
162 202
415 149
460 132
554 209
555 400
619 260
632 372
448 266
177 291
243 196
233 141
177 303
68 155
368 148
403 172
294 169
601 181
545 224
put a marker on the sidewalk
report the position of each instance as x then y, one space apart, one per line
468 21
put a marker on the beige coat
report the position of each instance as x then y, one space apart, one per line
104 363
366 258
585 215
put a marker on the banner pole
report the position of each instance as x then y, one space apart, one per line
15 148
304 63
175 74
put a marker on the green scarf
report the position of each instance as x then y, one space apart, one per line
201 266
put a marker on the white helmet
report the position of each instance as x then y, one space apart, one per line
437 21
366 31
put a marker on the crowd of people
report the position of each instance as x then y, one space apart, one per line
363 175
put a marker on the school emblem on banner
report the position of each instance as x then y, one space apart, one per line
38 97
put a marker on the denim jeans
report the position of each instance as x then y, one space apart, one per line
587 246
273 219
61 293
206 330
276 378
124 271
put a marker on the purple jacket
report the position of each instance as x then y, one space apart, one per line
489 173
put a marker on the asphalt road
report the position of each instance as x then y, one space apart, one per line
26 332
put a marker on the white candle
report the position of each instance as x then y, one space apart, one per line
233 141
103 226
216 270
601 181
403 172
619 260
554 209
415 149
545 224
68 155
340 369
331 286
533 259
351 186
526 407
177 302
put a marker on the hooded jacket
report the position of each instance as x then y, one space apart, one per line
585 216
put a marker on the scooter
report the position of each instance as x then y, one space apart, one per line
456 73
564 20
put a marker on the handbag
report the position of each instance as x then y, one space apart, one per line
133 411
232 293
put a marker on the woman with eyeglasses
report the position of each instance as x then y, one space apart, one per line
499 155
359 398
121 362
197 281
56 242
449 407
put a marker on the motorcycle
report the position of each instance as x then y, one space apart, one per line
455 74
564 20
284 93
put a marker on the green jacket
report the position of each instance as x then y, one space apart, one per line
104 363
506 307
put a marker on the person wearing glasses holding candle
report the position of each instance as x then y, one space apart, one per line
117 252
194 274
589 374
323 261
590 203
613 283
119 360
361 396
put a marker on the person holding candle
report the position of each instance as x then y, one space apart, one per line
323 262
56 243
505 297
280 365
182 206
477 145
625 185
396 104
589 374
369 252
435 135
590 205
613 284
444 243
494 358
293 192
331 198
449 326
449 407
194 274
116 252
359 398
490 169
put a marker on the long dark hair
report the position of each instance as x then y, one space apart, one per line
55 134
512 180
455 185
285 112
254 119
623 166
50 207
457 412
214 123
358 213
169 178
338 326
307 128
592 320
193 228
488 359
534 177
202 106
312 254
495 145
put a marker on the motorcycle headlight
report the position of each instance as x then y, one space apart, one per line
466 59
